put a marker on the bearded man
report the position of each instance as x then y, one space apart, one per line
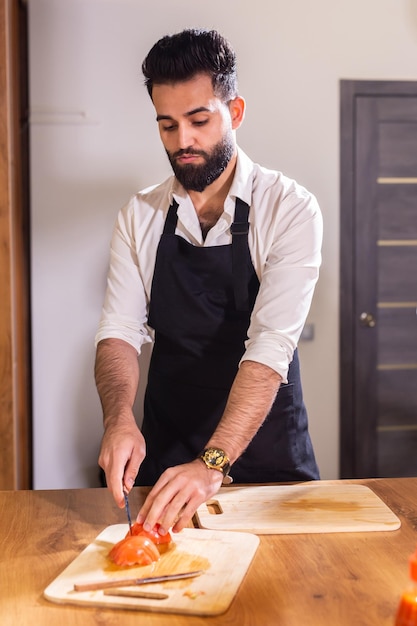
217 267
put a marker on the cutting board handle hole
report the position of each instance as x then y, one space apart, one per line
213 507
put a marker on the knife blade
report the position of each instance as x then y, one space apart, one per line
127 582
127 508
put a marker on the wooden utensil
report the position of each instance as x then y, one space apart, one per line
129 582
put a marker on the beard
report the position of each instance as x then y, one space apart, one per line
198 177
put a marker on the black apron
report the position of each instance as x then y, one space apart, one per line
200 308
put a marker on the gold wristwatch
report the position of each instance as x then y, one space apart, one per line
217 459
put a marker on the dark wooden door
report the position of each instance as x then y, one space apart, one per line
378 322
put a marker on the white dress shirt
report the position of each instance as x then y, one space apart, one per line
285 236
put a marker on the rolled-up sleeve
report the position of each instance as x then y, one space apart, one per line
285 238
124 313
288 277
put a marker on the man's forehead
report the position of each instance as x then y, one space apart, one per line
185 98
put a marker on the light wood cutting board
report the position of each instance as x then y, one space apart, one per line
311 507
224 556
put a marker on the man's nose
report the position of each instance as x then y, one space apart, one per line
185 137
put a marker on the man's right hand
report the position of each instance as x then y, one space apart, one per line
122 452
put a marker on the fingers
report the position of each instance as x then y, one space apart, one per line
113 465
114 478
152 509
132 468
120 457
185 516
177 494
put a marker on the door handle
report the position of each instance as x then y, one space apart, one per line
367 319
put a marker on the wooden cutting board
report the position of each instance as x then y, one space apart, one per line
313 507
224 557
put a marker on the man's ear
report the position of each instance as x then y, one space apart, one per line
237 108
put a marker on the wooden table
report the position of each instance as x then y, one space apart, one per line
339 579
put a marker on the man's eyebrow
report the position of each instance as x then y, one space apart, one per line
188 114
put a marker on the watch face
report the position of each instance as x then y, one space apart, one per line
216 458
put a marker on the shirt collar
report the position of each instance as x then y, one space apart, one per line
243 179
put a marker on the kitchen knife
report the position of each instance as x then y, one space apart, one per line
127 507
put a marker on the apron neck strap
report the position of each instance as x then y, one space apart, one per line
239 230
171 219
240 252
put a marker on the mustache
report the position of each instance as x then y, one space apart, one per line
187 151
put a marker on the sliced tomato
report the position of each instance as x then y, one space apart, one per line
161 541
134 550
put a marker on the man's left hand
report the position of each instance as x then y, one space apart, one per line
177 494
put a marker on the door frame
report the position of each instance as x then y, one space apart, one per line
354 442
15 353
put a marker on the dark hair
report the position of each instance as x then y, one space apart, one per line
179 57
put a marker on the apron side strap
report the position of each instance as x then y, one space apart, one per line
239 230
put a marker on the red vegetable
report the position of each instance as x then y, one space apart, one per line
161 541
134 550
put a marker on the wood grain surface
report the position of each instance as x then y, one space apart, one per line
340 579
313 507
224 558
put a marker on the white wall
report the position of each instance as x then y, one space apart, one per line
94 143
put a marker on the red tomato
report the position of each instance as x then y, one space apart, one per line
161 541
134 550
